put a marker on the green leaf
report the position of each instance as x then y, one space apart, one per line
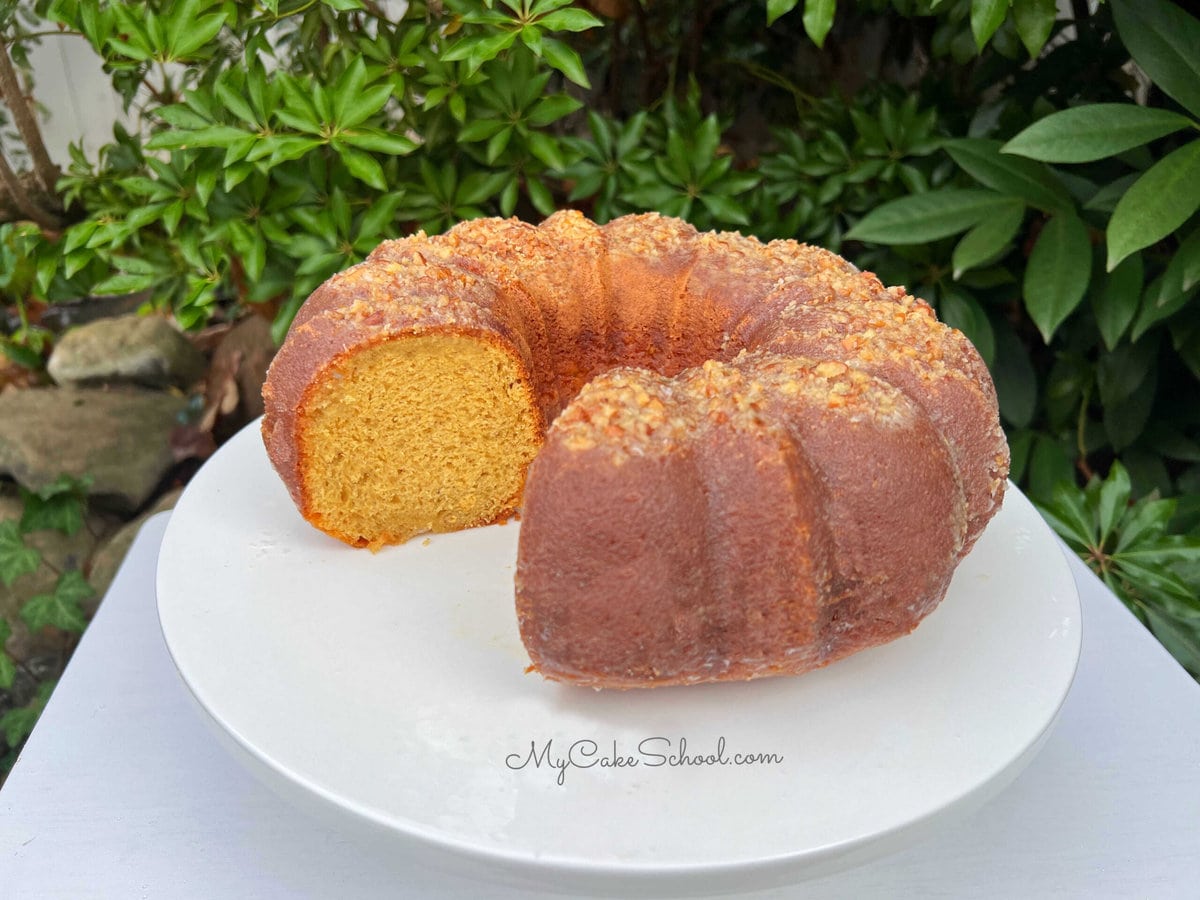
725 210
498 143
986 17
921 218
16 559
8 669
480 130
123 283
551 109
1015 377
1161 301
1116 303
1113 499
197 34
211 136
983 161
818 19
1108 196
348 90
380 141
539 195
565 60
1163 40
959 310
1094 131
363 166
546 149
777 8
1146 520
181 116
1120 372
380 215
1059 269
1181 640
1125 420
18 723
1185 264
573 19
988 239
364 105
1159 202
1034 20
1071 510
61 608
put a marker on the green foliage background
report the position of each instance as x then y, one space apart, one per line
1036 179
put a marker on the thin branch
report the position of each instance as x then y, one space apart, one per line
24 203
31 134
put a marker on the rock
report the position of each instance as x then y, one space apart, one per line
60 553
244 355
143 350
111 553
119 436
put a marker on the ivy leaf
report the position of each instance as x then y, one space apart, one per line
16 559
1163 39
60 608
986 17
921 218
1034 20
18 723
1159 202
1033 181
8 670
1094 131
818 19
1058 272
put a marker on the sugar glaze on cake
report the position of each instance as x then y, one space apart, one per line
732 459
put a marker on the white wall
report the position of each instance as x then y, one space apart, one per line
75 96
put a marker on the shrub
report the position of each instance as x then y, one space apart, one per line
1036 179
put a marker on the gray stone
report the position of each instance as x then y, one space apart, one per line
119 436
111 553
143 350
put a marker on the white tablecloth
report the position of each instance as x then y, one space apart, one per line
123 792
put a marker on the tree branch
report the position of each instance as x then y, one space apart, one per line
31 134
25 204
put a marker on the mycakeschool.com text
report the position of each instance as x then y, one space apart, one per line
649 753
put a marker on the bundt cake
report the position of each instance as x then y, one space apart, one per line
732 459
